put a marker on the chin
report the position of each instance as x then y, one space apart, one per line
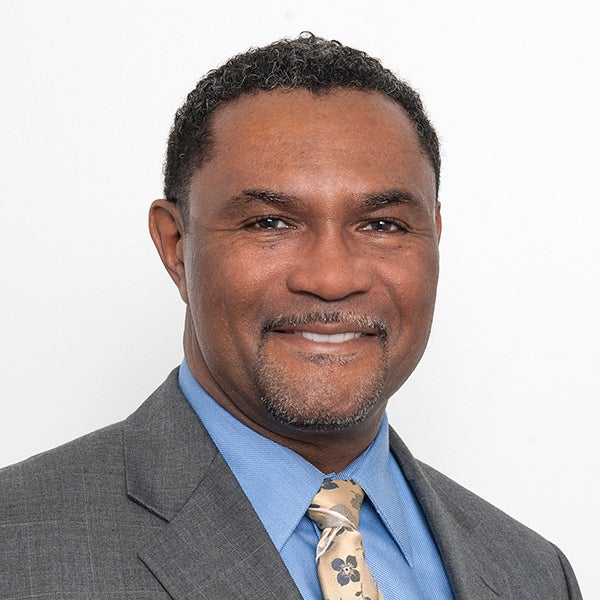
320 406
322 421
320 391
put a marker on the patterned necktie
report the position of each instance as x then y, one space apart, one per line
341 566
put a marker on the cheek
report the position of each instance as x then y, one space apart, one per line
229 290
410 285
412 273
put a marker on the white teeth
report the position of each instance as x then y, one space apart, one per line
335 338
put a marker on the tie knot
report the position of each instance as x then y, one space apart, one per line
337 504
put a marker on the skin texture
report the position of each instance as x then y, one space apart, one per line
312 214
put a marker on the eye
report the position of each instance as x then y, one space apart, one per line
269 223
382 226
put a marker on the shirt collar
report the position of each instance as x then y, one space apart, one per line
372 470
280 484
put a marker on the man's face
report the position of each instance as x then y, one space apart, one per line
311 258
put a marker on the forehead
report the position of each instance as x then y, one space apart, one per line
342 137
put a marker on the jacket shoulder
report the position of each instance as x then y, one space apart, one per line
68 526
483 549
476 513
62 475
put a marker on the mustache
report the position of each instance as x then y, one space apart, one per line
359 321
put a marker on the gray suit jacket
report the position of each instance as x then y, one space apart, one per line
148 509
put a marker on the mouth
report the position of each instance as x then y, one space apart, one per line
327 328
333 338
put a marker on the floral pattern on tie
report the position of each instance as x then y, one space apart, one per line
341 566
347 570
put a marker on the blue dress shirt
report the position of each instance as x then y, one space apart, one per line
280 485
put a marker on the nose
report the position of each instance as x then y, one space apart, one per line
329 266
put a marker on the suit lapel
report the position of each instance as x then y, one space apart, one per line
470 567
213 545
216 547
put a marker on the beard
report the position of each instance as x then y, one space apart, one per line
328 397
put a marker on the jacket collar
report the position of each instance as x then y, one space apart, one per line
470 566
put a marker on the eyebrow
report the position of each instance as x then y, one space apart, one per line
389 197
376 200
266 196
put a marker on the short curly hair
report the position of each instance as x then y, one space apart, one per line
306 62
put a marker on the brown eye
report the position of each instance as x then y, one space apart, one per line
382 225
269 223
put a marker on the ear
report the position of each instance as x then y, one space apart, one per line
167 231
438 219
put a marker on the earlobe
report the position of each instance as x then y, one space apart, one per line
167 232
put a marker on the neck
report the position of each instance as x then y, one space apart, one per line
330 455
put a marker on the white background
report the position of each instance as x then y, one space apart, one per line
505 400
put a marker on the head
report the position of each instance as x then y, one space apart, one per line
307 62
301 227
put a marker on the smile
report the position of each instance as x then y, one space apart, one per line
334 338
323 328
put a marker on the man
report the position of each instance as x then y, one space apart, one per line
301 225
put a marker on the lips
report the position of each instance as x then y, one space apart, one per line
327 327
335 338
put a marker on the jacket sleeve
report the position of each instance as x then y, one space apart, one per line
574 593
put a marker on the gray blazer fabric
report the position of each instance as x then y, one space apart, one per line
148 509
